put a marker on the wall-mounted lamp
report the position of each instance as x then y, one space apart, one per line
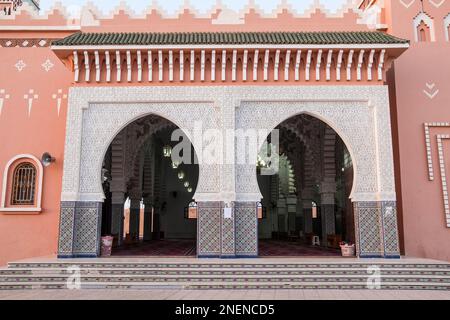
47 159
175 164
167 151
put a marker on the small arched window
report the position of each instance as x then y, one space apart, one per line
23 190
22 185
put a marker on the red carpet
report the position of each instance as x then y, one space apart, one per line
187 248
279 248
175 248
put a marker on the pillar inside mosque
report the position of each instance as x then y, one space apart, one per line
148 209
135 212
117 218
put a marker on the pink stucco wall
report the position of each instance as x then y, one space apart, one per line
424 226
24 235
425 234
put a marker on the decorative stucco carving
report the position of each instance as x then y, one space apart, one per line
359 114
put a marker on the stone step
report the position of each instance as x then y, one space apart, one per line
203 278
214 271
225 286
365 265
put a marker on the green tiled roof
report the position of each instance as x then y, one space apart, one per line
230 38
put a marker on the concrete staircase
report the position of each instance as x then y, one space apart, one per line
226 274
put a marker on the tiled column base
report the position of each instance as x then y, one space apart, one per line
376 229
209 229
227 237
79 229
246 216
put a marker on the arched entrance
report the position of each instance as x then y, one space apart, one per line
227 193
148 189
306 208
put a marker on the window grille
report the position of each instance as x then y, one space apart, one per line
23 184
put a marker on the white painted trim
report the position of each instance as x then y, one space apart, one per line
287 62
97 66
329 59
224 64
318 64
255 66
360 63
308 65
276 65
370 65
192 65
428 21
339 65
213 65
24 211
349 65
381 64
170 65
181 65
202 68
76 66
118 66
446 25
40 170
224 47
244 65
150 66
108 66
87 66
160 64
139 65
233 72
266 65
129 66
298 60
40 28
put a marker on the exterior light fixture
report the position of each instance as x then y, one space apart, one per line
181 175
186 184
189 189
167 151
47 159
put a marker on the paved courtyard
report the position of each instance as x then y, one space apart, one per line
223 295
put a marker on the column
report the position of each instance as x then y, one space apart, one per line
117 209
246 216
376 229
327 210
307 213
135 212
209 229
148 207
307 196
80 229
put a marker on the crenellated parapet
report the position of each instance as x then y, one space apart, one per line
220 18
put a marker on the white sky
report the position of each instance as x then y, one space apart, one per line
172 6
